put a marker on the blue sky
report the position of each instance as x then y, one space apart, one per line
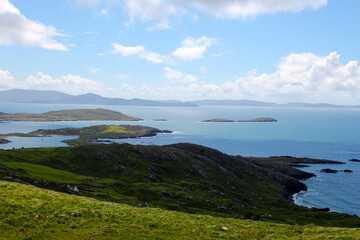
273 50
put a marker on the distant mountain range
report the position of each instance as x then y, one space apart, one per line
56 97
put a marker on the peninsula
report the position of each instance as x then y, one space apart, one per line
98 114
90 135
263 119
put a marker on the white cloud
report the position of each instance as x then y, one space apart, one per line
123 76
305 73
192 48
299 77
6 79
161 10
305 76
251 8
203 70
151 10
138 51
91 33
93 70
16 29
104 12
174 76
92 3
68 83
87 2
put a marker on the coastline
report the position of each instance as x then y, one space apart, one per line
311 196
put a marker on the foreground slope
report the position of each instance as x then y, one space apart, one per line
28 212
182 177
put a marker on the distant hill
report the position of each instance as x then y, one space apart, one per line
252 103
42 96
233 103
56 97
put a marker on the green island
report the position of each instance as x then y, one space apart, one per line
92 134
263 119
187 191
98 114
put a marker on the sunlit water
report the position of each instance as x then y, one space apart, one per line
303 132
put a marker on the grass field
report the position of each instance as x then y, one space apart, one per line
183 177
32 213
51 174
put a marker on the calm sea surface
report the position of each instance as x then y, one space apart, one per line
302 132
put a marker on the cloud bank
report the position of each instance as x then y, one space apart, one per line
68 83
139 51
72 84
190 49
298 77
174 76
160 10
16 29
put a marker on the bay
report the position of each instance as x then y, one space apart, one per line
328 133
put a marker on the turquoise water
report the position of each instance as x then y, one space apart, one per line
303 132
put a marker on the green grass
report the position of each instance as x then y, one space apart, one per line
51 174
168 177
118 129
31 213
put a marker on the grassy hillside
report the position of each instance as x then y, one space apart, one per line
98 114
28 212
181 177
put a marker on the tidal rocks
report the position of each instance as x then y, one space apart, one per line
321 209
354 160
328 170
4 141
218 120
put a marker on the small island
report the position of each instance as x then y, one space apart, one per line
90 135
354 160
263 119
4 141
98 114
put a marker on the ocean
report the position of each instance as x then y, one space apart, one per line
326 133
